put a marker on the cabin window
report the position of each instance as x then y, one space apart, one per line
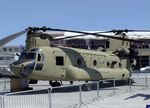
79 62
94 62
113 64
59 61
108 64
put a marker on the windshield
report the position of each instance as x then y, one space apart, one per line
29 56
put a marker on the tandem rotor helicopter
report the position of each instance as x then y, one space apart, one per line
40 61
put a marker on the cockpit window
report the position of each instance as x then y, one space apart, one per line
39 57
28 56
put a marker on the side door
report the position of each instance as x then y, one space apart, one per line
60 62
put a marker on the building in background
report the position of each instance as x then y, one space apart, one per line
8 54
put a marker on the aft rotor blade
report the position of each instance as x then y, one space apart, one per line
11 37
125 30
95 34
138 30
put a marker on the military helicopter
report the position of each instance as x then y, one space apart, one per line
40 61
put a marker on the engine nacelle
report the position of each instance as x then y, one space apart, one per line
122 52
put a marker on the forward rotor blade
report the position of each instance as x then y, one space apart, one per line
12 37
67 37
106 31
95 34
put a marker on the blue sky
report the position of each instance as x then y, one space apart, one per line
17 15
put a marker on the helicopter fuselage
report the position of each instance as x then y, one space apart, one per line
69 64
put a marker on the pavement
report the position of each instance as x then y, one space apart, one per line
135 96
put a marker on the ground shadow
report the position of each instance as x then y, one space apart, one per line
145 96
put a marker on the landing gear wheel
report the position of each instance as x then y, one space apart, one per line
71 82
33 81
55 84
50 83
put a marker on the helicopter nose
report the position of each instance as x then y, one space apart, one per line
16 69
23 70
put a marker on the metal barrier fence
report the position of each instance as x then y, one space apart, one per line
69 96
143 83
76 96
60 99
4 85
80 95
27 99
1 99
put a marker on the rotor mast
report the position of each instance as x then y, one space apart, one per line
34 40
114 44
37 37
